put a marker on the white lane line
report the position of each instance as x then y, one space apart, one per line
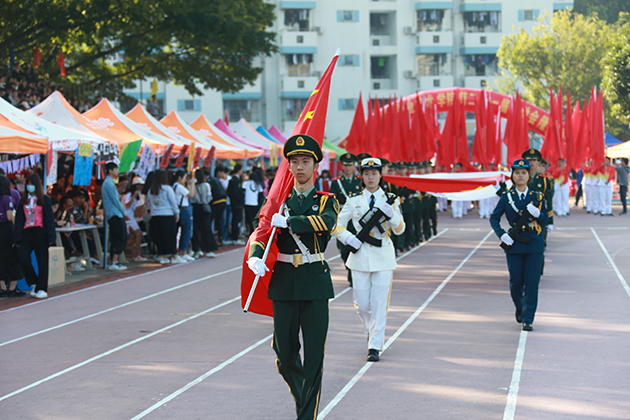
137 340
510 407
622 280
247 350
52 298
400 330
119 306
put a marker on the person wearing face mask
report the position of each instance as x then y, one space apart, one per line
524 250
35 231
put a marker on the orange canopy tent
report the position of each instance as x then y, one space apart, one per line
141 117
19 141
106 116
205 127
223 151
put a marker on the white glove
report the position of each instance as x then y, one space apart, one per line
387 210
533 210
549 228
279 220
354 242
497 185
505 238
257 266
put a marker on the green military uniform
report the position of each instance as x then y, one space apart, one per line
388 187
344 188
407 209
301 286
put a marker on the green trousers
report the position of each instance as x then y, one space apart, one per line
304 379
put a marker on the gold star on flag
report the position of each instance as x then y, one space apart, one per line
309 114
314 92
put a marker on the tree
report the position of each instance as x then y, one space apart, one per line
616 80
111 43
606 9
561 52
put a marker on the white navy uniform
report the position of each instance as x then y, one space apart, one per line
372 267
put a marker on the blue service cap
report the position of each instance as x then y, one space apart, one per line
521 164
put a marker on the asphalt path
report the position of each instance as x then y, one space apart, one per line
175 344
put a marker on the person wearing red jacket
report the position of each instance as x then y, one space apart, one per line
609 175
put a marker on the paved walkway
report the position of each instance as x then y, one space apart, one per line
174 344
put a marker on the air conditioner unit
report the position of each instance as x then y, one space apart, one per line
409 74
318 29
408 30
376 42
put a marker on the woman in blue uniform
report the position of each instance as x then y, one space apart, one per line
525 254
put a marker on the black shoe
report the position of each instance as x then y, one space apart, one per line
4 293
527 326
622 213
15 293
518 315
297 409
373 356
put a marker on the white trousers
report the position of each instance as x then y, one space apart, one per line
561 199
607 193
370 291
457 208
442 203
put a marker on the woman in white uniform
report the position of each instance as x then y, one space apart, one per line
372 266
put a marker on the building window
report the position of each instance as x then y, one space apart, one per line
480 65
300 83
237 109
348 16
380 24
483 39
431 64
381 67
300 39
348 60
292 108
296 20
483 83
299 65
436 39
189 105
528 15
436 82
482 22
376 42
431 20
377 86
347 104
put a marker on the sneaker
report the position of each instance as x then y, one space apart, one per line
95 261
177 260
164 261
239 242
188 257
211 255
228 242
76 266
33 292
116 267
198 254
140 258
40 295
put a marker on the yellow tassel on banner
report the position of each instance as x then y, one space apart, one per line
191 157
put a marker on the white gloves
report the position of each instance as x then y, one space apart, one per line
257 266
549 228
387 210
497 185
505 238
279 220
354 242
533 210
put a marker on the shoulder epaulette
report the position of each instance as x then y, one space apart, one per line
329 194
390 194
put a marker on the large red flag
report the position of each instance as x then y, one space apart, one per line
312 121
584 134
355 141
552 146
569 136
480 142
598 147
433 129
400 131
38 57
370 135
462 152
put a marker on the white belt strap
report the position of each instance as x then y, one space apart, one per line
511 201
297 259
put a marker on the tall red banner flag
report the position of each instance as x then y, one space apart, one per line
312 121
61 62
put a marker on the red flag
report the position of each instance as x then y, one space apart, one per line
312 121
208 159
227 119
568 145
598 153
370 134
38 57
400 130
552 146
166 157
584 134
356 136
462 152
180 159
379 118
61 62
480 150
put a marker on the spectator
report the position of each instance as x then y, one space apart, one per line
203 238
115 215
622 181
221 174
184 187
153 107
254 188
324 181
578 183
10 270
35 231
131 201
164 216
237 201
218 204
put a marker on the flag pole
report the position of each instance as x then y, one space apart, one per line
264 258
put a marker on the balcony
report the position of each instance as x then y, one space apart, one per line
434 42
481 43
435 82
478 82
298 87
292 42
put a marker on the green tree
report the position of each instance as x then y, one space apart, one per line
111 43
606 9
616 80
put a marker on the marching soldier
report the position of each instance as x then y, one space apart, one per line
300 284
433 201
418 207
524 249
373 263
346 186
406 206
